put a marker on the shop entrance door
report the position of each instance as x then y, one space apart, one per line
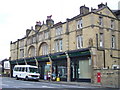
74 71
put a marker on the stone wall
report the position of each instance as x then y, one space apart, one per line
109 78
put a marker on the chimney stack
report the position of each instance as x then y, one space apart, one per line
49 21
38 25
101 5
84 10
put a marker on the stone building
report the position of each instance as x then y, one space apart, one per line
5 67
79 49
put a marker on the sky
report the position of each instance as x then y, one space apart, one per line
18 15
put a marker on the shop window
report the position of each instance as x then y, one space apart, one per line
47 69
84 70
62 71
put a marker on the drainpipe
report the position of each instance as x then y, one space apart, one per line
101 50
17 51
68 67
114 56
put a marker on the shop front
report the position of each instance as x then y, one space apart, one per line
80 65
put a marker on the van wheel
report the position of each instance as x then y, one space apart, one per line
17 78
26 78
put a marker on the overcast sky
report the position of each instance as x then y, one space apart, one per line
18 15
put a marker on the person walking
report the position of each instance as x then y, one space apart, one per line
49 75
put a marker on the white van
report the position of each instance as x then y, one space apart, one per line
26 72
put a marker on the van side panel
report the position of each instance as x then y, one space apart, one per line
22 71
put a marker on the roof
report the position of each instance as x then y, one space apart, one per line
25 66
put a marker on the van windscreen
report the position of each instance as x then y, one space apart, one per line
33 70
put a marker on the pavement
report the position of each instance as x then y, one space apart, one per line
99 85
79 84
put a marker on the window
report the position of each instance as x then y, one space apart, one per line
58 45
26 69
79 24
101 21
21 53
29 41
113 42
101 39
58 31
62 71
19 69
79 41
112 24
23 69
46 34
31 51
33 70
44 49
34 39
21 43
41 36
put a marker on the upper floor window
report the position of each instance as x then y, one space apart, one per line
44 49
33 39
79 24
29 41
101 21
58 30
46 33
21 53
21 43
31 51
101 40
112 24
113 42
41 36
79 41
58 45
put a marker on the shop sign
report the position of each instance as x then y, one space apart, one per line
48 63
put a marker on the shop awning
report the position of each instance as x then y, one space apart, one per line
55 56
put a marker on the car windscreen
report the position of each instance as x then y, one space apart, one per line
33 70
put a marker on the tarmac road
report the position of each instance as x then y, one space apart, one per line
13 84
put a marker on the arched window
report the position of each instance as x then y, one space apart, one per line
43 49
31 51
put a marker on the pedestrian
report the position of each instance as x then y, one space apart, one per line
49 75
